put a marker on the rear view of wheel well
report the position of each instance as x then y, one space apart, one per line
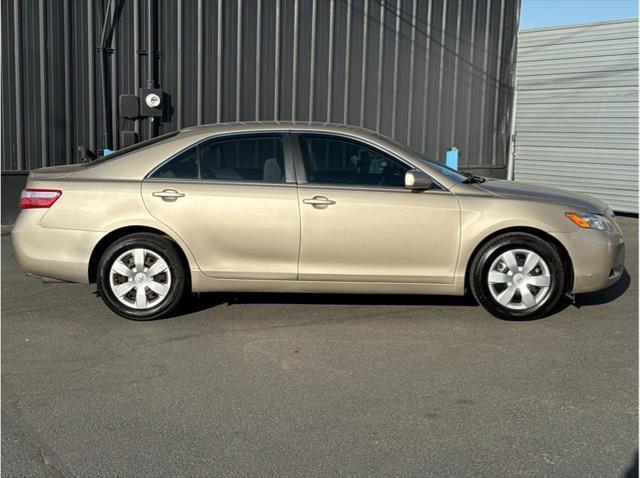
113 236
566 260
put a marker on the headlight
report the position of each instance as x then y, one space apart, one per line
590 221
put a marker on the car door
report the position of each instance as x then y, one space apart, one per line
233 201
359 222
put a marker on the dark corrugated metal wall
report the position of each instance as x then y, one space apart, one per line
430 73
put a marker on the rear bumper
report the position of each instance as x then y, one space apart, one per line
597 258
56 253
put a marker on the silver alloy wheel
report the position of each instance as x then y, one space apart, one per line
519 279
140 278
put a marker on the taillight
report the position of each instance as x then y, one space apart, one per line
38 198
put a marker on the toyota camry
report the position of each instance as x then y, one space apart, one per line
289 207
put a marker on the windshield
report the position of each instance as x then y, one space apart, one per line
441 168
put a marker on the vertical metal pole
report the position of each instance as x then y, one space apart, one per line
347 62
472 47
441 79
294 92
454 100
412 63
199 62
114 82
258 66
68 153
512 130
219 66
427 60
396 59
91 62
150 59
136 55
44 113
239 60
180 68
363 70
276 92
150 72
380 70
17 45
312 76
330 69
494 136
485 79
514 100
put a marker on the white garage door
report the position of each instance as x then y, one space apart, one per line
577 110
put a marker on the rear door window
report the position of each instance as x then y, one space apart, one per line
247 158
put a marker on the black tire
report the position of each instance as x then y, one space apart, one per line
165 249
484 258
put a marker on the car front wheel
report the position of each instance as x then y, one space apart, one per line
141 277
517 276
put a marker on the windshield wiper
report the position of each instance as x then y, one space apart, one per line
472 178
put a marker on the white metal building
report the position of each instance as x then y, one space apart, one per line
576 110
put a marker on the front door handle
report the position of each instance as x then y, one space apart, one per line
319 202
167 194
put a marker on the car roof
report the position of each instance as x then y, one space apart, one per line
258 126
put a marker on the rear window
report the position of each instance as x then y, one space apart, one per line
134 147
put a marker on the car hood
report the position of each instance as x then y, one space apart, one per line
534 192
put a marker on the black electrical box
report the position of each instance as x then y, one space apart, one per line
151 102
129 106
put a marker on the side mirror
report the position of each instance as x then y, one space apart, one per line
417 180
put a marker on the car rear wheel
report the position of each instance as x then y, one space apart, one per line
142 277
517 276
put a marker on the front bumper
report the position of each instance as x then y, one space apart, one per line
62 254
597 258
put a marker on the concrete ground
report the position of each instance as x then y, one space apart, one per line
285 385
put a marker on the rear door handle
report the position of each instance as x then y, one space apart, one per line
319 202
168 194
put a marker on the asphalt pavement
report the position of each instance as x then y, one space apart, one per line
317 385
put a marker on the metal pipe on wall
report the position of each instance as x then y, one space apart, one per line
312 74
91 65
330 61
412 63
199 64
347 64
380 67
294 91
427 61
497 86
363 66
17 51
238 59
136 54
44 91
258 58
472 48
151 74
486 77
68 153
114 78
276 86
219 66
456 59
106 88
443 36
396 59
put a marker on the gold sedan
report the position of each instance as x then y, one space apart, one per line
287 207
